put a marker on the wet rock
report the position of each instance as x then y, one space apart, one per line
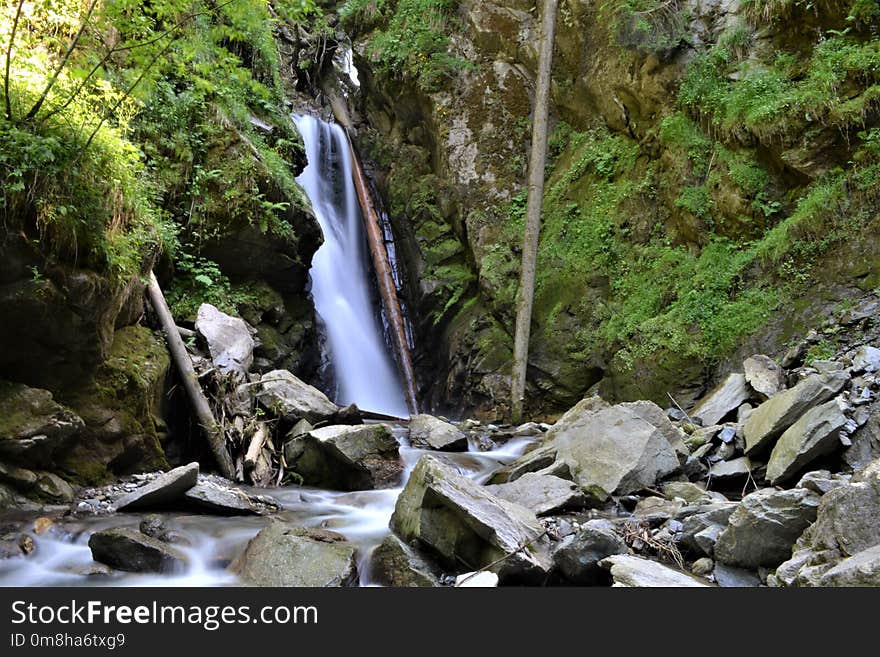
463 523
346 457
543 494
775 415
730 577
814 435
765 526
286 396
630 571
153 525
764 375
537 460
165 488
284 555
33 427
613 451
723 400
577 557
228 338
527 430
124 548
394 563
220 497
861 569
432 433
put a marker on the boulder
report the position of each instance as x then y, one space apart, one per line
687 491
346 457
543 494
33 427
777 414
613 451
822 481
815 434
228 338
629 571
721 401
765 526
729 577
764 375
429 432
220 497
124 548
286 396
700 530
577 558
734 468
289 556
528 430
163 489
866 358
464 523
861 569
655 416
394 563
538 459
865 446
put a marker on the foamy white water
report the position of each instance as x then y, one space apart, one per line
340 276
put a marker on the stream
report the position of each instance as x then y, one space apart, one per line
62 556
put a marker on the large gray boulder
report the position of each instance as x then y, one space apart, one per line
537 460
724 399
221 497
464 523
577 558
286 396
33 427
701 529
394 563
543 494
764 375
815 434
289 556
613 451
765 526
346 457
125 548
165 488
228 338
865 446
656 416
777 414
432 433
629 571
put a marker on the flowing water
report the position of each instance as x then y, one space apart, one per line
365 374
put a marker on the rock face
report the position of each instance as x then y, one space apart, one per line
775 415
284 555
577 557
815 434
228 338
543 494
428 431
765 526
723 400
345 457
462 522
630 571
394 563
764 375
128 549
165 488
613 451
288 397
33 427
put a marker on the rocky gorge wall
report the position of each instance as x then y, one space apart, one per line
710 192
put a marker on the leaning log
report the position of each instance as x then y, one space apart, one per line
190 381
381 264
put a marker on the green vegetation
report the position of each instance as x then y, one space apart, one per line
408 38
649 26
128 129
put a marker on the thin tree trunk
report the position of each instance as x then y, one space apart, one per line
537 163
9 60
213 433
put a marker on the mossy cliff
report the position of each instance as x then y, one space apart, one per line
712 187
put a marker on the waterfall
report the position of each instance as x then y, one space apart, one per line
340 276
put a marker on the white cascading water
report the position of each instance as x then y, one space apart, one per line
365 374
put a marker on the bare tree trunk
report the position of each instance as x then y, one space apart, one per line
537 163
381 264
213 433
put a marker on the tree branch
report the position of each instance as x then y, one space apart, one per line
9 60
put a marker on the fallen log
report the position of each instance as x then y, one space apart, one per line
255 448
202 410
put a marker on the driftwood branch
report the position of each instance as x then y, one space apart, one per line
213 432
256 447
